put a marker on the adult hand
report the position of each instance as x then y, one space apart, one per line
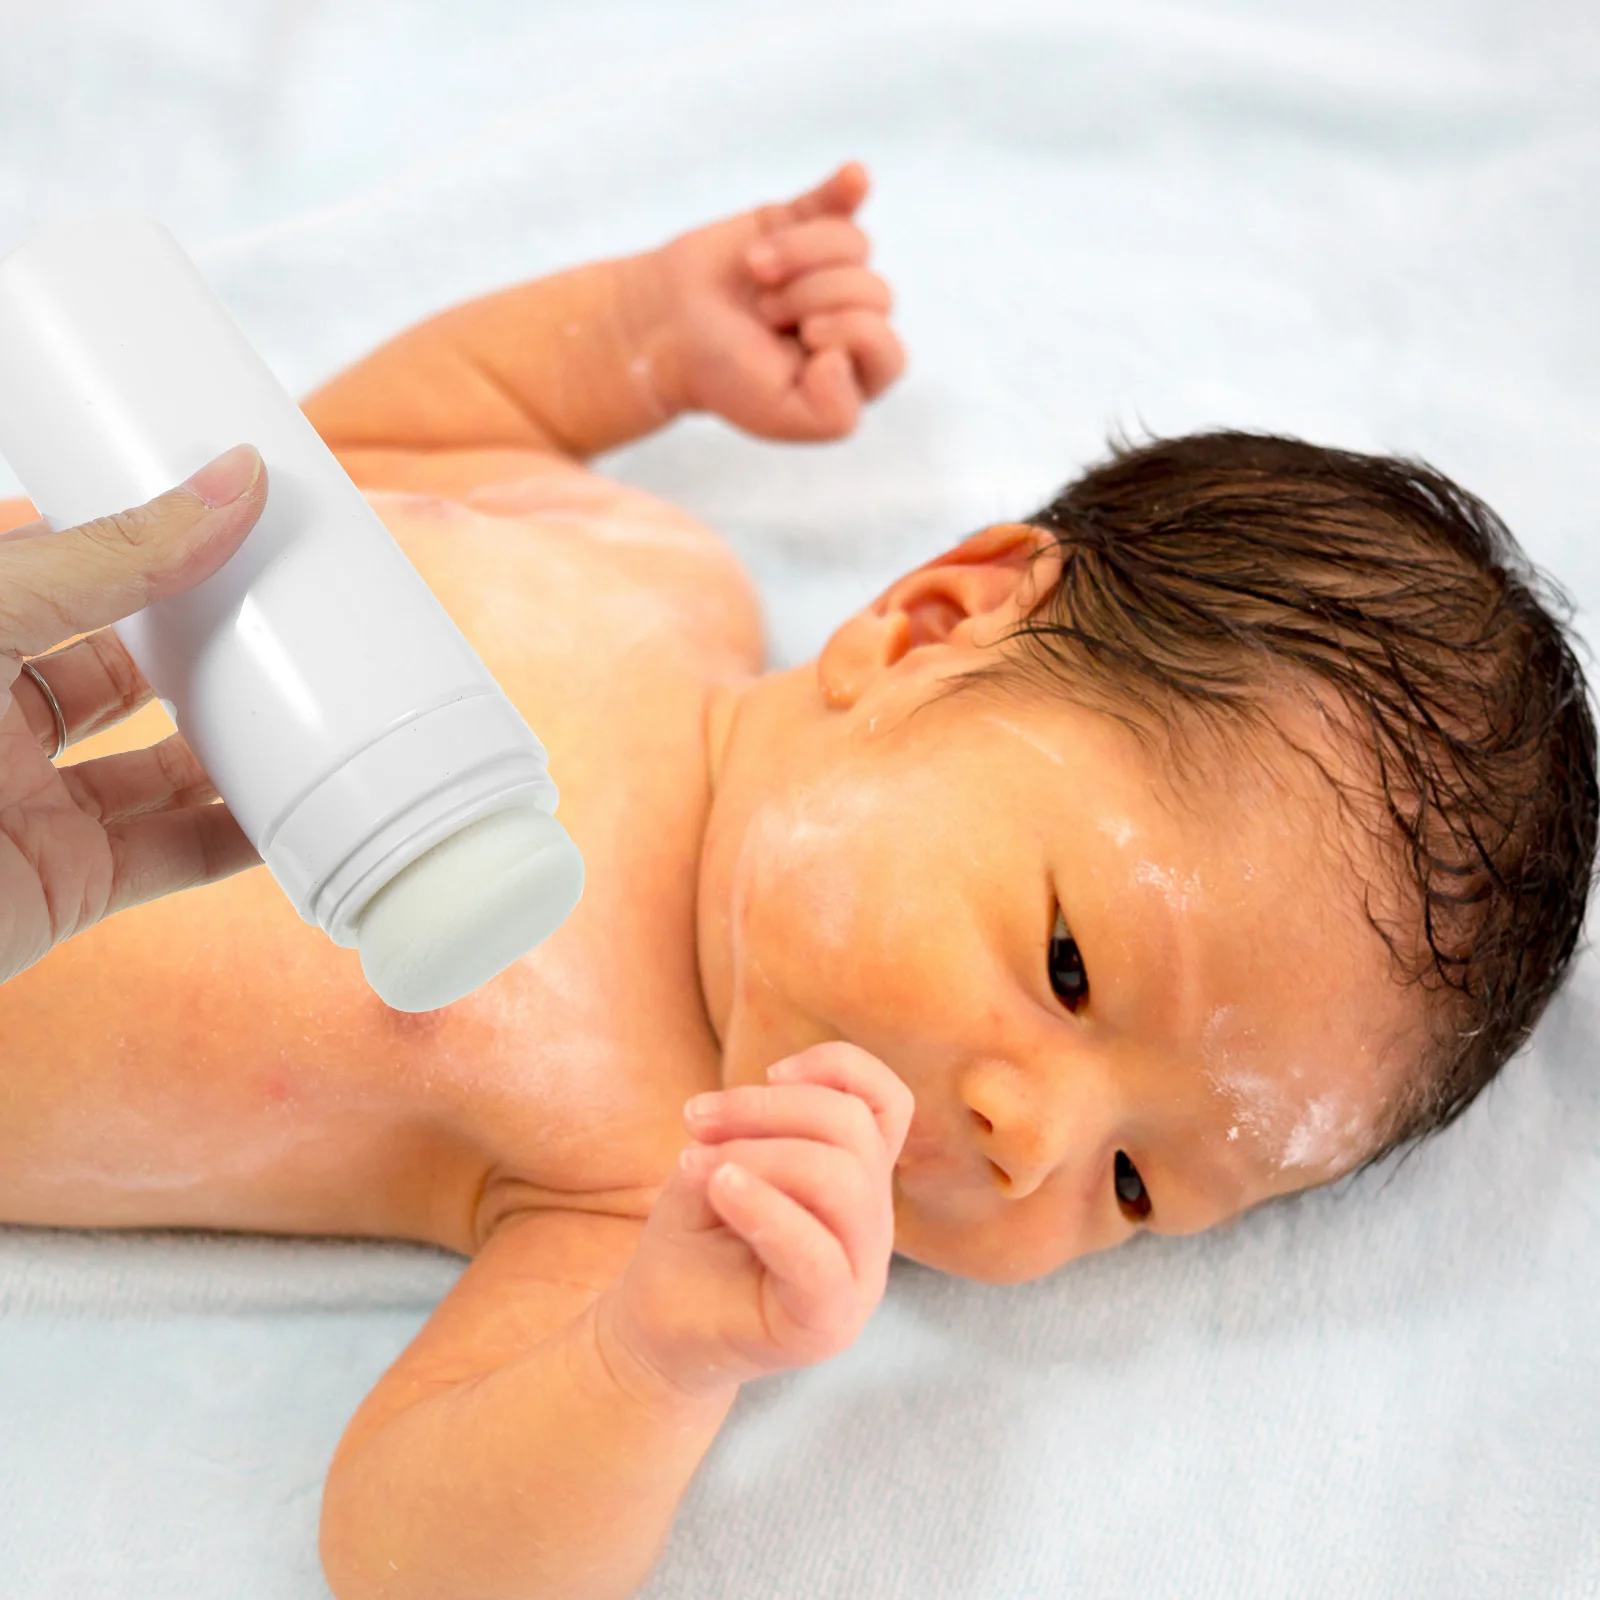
81 842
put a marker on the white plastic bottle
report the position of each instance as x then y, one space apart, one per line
388 783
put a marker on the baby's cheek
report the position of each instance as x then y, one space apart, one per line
884 972
818 898
853 910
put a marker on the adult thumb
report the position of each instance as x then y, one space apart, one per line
53 585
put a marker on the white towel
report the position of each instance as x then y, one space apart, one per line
1370 224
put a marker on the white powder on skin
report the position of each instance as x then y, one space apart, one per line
102 1156
642 371
560 501
1119 831
797 868
1255 1101
553 1026
1032 740
1327 1135
1179 892
789 850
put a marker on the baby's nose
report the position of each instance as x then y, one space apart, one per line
1022 1142
1022 1159
1031 1125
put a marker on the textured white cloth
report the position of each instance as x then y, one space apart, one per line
1371 224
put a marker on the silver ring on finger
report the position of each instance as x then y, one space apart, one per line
61 722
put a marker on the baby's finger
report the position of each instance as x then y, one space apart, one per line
831 289
850 1199
876 354
824 404
839 194
810 1275
815 1112
826 242
846 1066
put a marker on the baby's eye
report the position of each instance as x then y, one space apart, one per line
1067 977
1131 1193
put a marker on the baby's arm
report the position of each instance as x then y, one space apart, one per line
590 359
537 1436
514 1449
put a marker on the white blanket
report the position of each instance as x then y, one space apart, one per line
1371 224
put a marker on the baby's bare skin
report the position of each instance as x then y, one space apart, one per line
227 1067
210 1060
827 866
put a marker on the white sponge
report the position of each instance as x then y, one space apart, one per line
467 908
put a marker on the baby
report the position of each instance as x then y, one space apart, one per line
1205 836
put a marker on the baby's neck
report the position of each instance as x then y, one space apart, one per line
755 727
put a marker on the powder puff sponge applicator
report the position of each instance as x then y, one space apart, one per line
466 909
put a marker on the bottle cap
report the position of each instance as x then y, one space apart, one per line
466 909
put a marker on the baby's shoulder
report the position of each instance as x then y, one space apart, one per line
607 535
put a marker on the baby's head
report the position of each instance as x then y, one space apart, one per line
1212 833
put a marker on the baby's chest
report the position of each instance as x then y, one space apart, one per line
569 1070
566 1074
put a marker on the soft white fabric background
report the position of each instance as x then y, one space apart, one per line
1372 224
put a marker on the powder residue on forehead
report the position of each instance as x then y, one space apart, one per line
1327 1135
1179 890
1255 1101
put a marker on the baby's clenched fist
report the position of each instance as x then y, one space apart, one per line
774 320
769 1247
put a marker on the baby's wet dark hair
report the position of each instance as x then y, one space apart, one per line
1199 574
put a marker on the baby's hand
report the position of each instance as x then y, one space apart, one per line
770 1248
776 322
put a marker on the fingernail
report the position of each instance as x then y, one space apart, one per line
702 1105
782 1069
762 257
222 481
696 1157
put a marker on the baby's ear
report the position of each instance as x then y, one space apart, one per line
991 571
1008 543
858 651
982 575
